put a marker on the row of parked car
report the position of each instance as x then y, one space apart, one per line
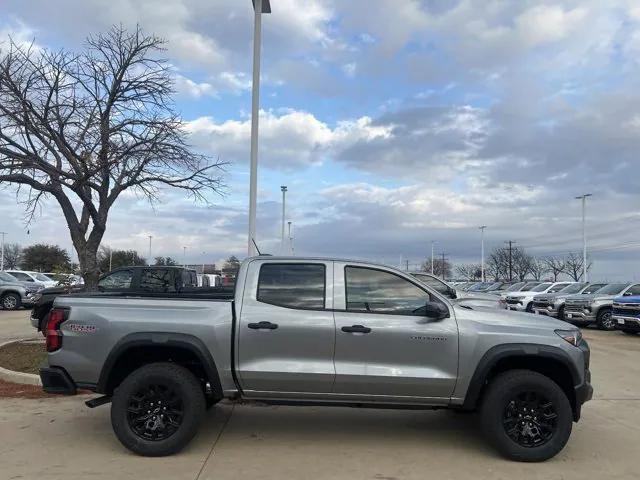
20 288
609 306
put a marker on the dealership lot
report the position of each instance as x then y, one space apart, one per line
61 438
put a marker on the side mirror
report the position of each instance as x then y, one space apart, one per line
436 310
452 293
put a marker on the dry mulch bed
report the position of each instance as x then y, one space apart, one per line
17 390
23 357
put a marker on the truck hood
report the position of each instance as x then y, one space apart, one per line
630 299
589 298
512 319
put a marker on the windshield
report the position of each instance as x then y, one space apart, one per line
436 284
41 277
613 289
515 287
559 287
593 288
541 288
5 277
575 288
529 286
494 286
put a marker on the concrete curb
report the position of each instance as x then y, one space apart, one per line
18 377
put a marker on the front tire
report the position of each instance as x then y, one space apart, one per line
10 301
526 416
157 409
605 320
561 313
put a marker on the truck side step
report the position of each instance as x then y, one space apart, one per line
96 402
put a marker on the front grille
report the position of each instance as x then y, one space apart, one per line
542 303
512 301
575 307
626 312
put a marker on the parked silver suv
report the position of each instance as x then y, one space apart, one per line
552 304
14 294
597 308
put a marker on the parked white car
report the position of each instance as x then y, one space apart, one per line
523 301
35 277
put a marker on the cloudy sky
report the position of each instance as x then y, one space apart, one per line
394 123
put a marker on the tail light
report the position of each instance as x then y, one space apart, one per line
53 334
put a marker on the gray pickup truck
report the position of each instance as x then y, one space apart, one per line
317 331
15 294
597 308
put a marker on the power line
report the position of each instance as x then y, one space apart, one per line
510 242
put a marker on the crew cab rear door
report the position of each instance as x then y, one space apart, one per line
286 330
384 346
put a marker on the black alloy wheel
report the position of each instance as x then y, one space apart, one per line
155 412
530 419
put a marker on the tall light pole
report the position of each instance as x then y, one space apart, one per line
482 251
259 7
432 245
290 238
284 193
203 260
2 252
184 257
584 234
150 237
110 258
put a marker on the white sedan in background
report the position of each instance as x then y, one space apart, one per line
33 277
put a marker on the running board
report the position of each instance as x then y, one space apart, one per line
96 402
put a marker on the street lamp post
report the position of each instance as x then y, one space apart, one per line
482 252
259 7
149 261
203 261
290 239
2 252
284 193
184 257
432 245
584 234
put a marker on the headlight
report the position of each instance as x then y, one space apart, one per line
571 336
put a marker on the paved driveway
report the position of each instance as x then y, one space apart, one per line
61 439
15 325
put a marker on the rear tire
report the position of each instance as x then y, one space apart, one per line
561 313
529 308
605 320
10 301
526 416
157 409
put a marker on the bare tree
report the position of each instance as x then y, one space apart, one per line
555 265
521 263
12 256
575 266
440 268
83 128
498 264
537 268
468 271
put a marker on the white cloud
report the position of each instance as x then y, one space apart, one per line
288 139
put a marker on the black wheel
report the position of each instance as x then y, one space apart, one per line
605 320
561 313
157 409
629 331
529 307
10 301
526 416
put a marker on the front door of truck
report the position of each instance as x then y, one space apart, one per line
385 344
286 332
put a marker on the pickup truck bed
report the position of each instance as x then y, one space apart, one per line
317 331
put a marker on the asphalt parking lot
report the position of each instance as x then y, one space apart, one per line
60 438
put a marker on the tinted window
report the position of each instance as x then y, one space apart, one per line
377 291
294 285
116 280
157 280
541 288
23 277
